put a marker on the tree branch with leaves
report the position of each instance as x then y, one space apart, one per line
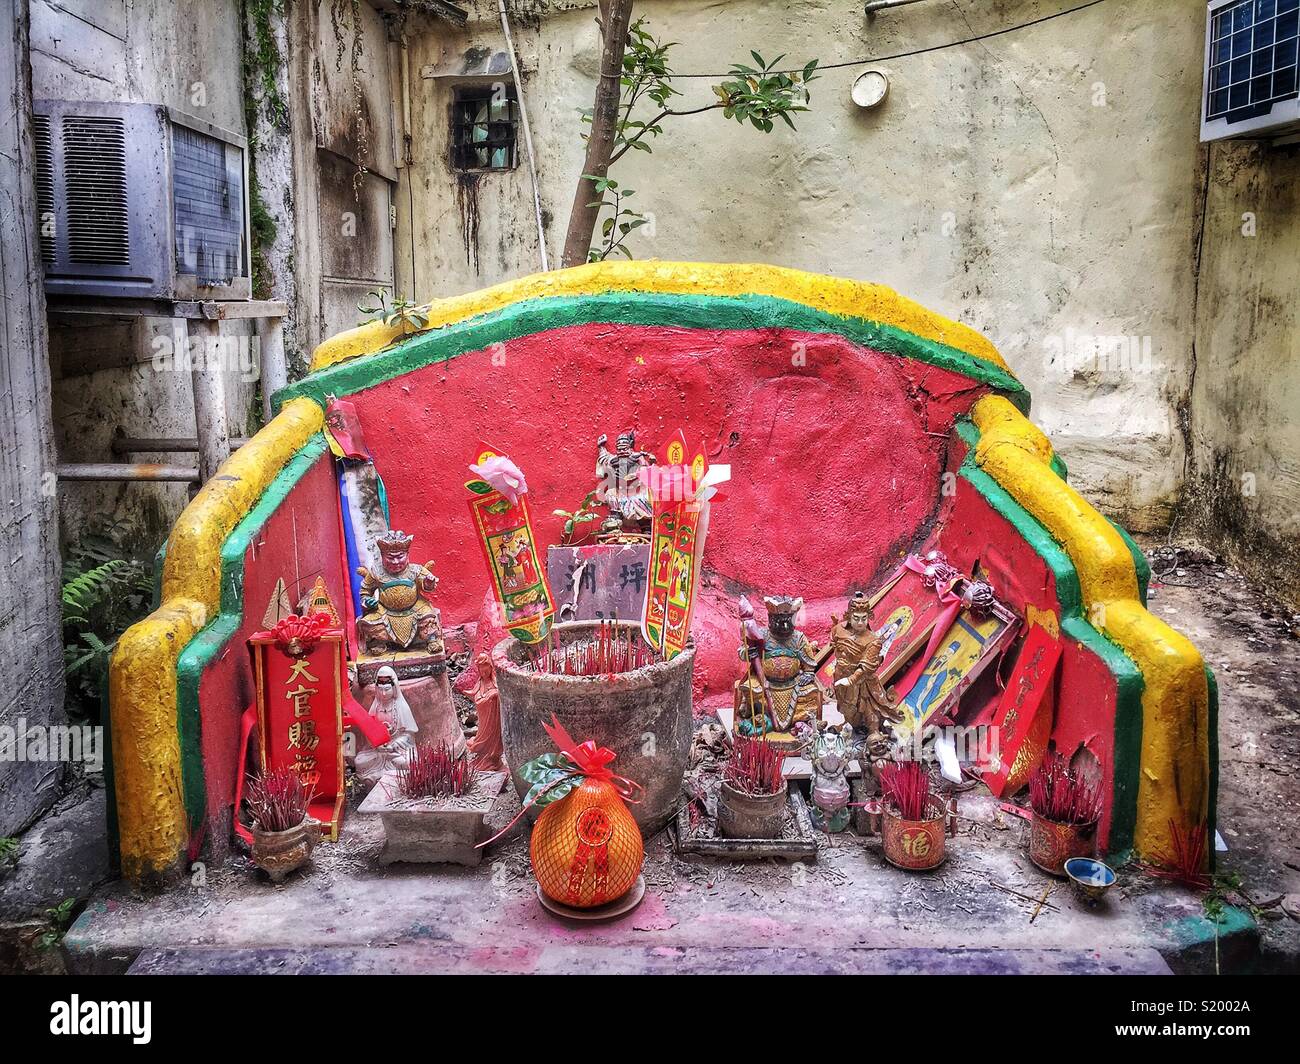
758 95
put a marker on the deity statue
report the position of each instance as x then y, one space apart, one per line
830 750
398 614
779 697
873 754
620 487
392 710
485 747
861 698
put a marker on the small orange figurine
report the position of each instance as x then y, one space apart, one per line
485 747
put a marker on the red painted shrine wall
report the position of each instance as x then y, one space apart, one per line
971 532
836 453
298 542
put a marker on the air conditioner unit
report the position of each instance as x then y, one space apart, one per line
1251 88
138 200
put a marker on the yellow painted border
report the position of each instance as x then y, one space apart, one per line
142 674
1175 776
192 568
146 742
833 295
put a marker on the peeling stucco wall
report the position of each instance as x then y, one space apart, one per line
1043 186
325 171
102 367
1243 487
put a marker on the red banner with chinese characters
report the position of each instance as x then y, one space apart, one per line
300 715
1023 718
681 505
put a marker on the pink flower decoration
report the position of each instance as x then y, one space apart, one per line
503 475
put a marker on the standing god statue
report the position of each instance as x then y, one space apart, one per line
859 695
779 695
398 614
620 487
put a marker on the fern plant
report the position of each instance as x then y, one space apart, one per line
105 590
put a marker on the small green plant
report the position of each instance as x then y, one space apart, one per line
57 921
584 514
8 853
105 590
615 228
403 312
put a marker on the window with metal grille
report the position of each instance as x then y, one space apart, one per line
483 124
1253 61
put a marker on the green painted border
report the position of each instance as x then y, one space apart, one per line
1212 717
202 650
532 316
1128 677
1140 564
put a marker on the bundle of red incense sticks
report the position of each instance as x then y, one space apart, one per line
611 650
1059 794
906 786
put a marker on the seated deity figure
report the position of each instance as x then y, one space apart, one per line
860 697
392 710
620 487
779 697
398 614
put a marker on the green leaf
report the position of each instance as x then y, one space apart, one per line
479 487
547 775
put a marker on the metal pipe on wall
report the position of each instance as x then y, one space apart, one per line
528 133
883 5
126 471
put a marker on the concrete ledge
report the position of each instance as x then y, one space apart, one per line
446 959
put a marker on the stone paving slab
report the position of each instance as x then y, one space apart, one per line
629 960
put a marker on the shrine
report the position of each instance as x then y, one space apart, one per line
429 616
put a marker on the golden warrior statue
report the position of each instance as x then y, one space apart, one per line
620 488
398 614
859 694
779 695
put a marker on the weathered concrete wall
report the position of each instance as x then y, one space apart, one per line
1244 469
344 165
104 373
31 651
325 165
1042 186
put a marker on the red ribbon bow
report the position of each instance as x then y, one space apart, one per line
590 760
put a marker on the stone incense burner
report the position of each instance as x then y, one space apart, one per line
643 715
